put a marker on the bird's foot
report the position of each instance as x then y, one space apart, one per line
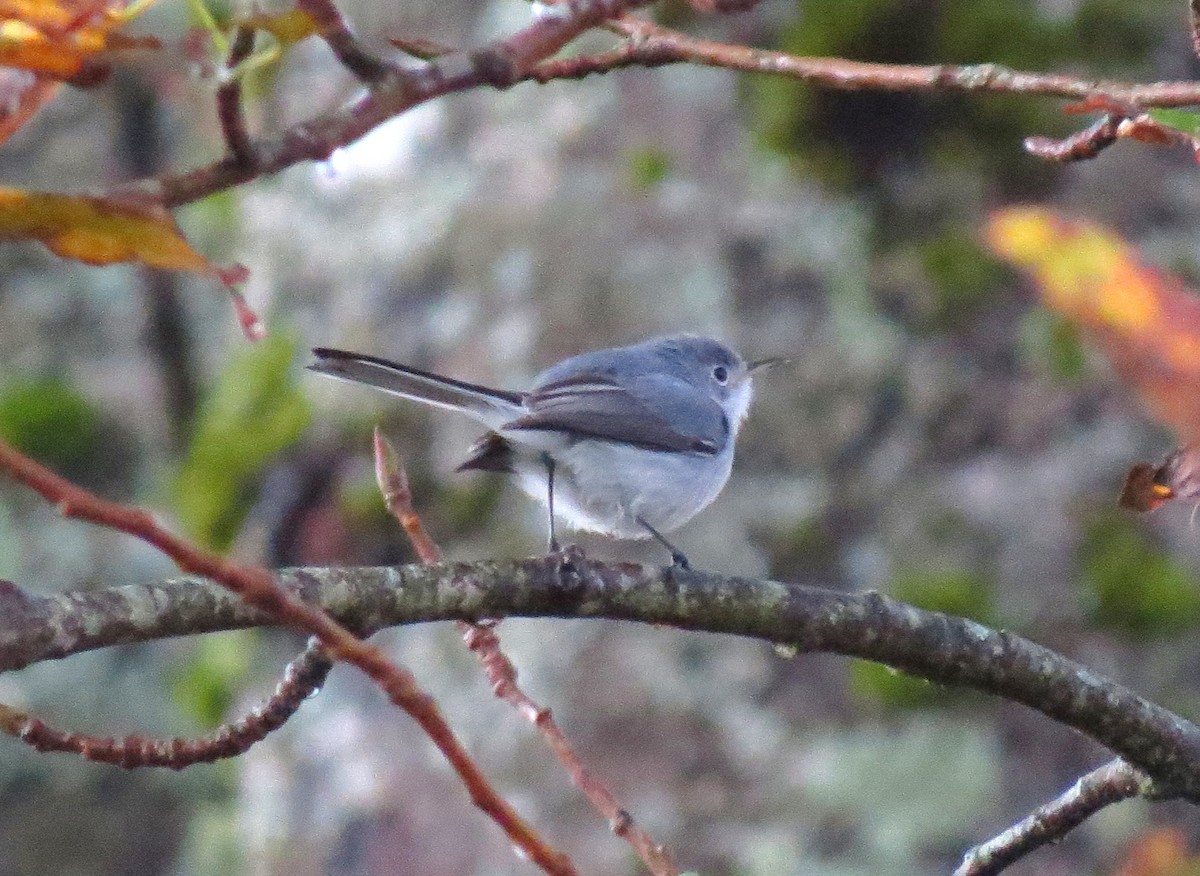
570 557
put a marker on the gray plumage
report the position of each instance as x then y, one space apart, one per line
641 437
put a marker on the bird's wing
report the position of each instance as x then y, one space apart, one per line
592 406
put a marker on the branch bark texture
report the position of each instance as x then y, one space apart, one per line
394 89
1111 783
943 649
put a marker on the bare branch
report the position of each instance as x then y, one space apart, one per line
258 588
303 675
521 57
484 643
230 112
938 647
335 30
1195 22
500 63
837 73
1111 783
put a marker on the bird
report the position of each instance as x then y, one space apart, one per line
630 441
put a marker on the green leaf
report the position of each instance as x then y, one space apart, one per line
50 421
204 687
253 411
648 167
1132 584
1181 120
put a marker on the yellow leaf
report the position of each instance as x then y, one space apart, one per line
1146 321
288 27
100 231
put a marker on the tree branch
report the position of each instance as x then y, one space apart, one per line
482 641
335 30
500 64
303 676
1111 783
230 112
259 588
520 57
943 649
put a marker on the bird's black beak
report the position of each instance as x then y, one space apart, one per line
764 364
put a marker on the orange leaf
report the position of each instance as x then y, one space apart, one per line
64 39
1159 852
1146 321
101 231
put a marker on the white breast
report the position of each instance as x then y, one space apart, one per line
604 487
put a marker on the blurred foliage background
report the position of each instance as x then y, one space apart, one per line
941 437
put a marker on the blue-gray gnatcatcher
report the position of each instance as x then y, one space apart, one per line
631 441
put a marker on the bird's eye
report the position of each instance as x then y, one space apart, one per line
721 374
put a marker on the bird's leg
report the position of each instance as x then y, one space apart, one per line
555 547
678 559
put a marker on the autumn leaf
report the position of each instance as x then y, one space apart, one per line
288 27
102 231
21 95
68 40
1150 486
1146 321
1159 852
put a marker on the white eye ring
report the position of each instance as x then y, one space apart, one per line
721 374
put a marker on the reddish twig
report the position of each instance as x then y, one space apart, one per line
1124 123
230 112
335 30
397 496
508 61
500 63
518 57
259 589
1085 144
483 642
1144 129
844 75
303 675
1111 783
1195 23
22 94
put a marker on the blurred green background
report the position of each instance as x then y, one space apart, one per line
940 437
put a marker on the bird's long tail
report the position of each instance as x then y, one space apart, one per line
492 406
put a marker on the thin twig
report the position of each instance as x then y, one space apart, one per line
259 589
303 675
1111 783
21 96
1195 22
392 478
500 63
497 64
230 111
481 639
335 30
1080 146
